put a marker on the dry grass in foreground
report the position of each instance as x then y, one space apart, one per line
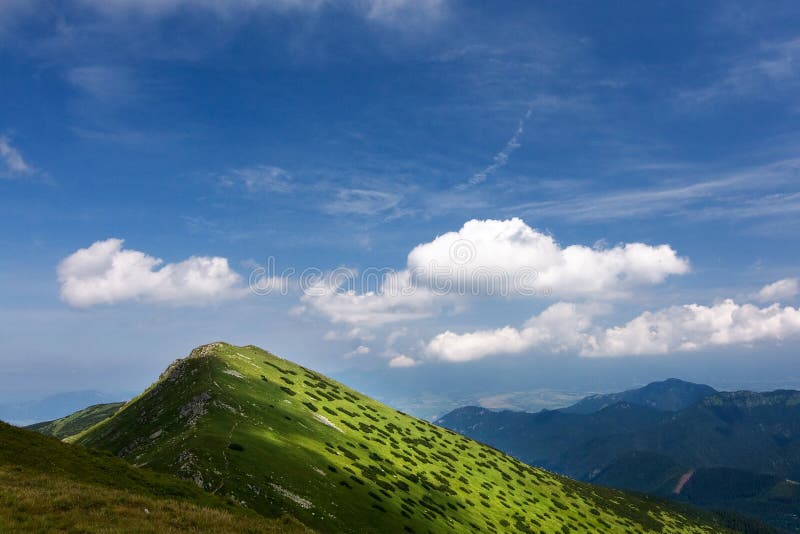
38 502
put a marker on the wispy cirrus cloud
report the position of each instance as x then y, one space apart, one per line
366 202
259 179
15 165
390 12
731 196
12 159
501 158
107 84
763 72
374 9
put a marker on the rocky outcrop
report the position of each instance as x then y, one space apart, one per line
195 408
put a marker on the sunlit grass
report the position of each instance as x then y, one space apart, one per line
260 439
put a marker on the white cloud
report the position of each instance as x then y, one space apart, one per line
13 160
441 275
395 301
784 289
104 273
693 327
532 262
566 327
402 361
558 328
361 350
262 284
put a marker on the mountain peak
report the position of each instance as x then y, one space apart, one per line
673 381
670 395
209 349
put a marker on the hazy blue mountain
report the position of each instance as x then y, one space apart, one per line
757 432
668 395
542 438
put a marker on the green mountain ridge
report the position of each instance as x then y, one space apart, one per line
52 407
280 438
77 422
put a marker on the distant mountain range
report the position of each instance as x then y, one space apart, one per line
738 450
281 439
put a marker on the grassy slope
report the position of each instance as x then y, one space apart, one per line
49 486
280 438
77 422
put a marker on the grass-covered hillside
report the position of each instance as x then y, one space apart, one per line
76 422
280 438
50 486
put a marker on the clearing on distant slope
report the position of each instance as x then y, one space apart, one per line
283 439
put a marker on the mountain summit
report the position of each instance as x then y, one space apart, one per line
669 395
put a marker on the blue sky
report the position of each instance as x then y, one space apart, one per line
641 158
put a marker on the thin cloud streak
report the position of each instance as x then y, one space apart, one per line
762 73
12 159
501 158
676 199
